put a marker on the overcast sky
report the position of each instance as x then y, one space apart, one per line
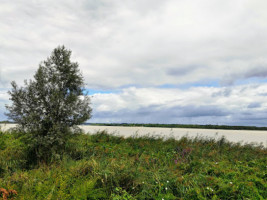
147 61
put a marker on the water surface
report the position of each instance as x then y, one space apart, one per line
243 136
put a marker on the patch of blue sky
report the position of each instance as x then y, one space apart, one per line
253 80
130 85
92 91
97 91
213 83
204 83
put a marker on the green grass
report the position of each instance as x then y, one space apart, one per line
103 166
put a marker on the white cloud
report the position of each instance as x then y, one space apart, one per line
145 44
240 105
121 43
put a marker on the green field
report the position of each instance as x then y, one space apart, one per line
103 166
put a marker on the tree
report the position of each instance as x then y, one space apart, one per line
51 106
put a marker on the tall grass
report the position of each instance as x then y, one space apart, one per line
103 166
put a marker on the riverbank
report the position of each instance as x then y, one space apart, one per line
102 166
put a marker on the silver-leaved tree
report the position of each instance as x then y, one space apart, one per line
49 108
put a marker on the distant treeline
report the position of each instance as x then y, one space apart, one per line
208 126
6 122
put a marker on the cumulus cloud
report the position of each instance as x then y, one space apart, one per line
254 105
147 44
243 105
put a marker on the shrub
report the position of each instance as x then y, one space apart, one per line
49 108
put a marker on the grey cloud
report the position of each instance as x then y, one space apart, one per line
2 115
202 111
250 119
226 92
146 43
254 105
257 72
263 94
246 73
159 114
131 42
196 105
4 99
181 71
3 80
238 105
202 115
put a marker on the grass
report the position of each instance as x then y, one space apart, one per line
103 166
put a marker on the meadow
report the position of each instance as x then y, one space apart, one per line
104 166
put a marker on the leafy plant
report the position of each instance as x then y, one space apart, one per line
120 194
49 107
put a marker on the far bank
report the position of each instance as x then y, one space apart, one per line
243 136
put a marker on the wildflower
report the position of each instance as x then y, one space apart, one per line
210 189
167 181
143 182
166 188
231 183
216 163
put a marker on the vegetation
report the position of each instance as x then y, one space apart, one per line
6 122
103 166
44 159
49 107
207 126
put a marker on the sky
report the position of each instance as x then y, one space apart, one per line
147 61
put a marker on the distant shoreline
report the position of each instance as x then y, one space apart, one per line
243 136
194 126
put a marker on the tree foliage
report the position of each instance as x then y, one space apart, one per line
51 106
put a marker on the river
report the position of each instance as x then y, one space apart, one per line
243 136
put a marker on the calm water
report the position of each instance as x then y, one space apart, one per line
244 136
